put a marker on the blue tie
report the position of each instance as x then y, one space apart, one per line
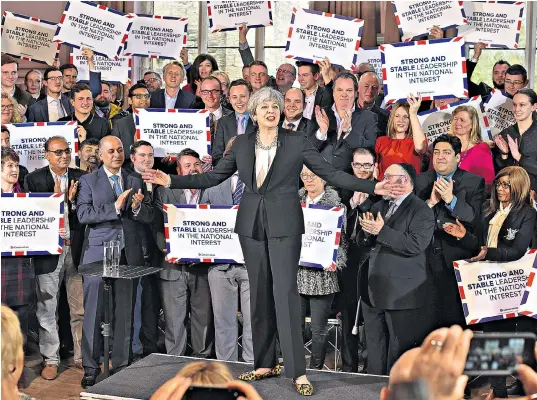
237 194
116 186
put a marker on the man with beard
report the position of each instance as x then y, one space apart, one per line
88 153
395 312
104 108
498 74
185 286
153 81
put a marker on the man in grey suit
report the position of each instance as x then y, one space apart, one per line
226 282
110 202
184 287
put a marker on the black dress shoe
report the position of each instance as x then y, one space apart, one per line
88 380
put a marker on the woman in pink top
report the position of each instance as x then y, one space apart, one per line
405 141
476 156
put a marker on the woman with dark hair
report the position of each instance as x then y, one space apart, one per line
18 275
517 145
202 67
503 234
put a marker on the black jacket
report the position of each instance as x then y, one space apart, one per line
397 277
225 130
41 181
95 126
184 100
274 208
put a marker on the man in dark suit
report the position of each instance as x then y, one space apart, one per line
51 270
368 90
355 127
395 313
308 77
55 105
184 287
172 96
112 204
452 194
10 74
236 123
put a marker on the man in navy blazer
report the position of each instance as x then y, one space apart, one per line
172 96
55 105
112 205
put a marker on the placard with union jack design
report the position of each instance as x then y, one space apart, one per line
30 224
528 304
229 15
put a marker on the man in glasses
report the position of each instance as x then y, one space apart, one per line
453 194
516 78
125 128
10 74
395 306
498 74
211 91
56 105
50 271
153 81
363 167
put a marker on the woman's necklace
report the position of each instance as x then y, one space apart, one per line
260 144
465 154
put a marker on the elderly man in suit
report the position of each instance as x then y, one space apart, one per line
452 194
227 282
55 105
51 270
112 205
172 96
368 90
236 123
185 286
356 127
396 314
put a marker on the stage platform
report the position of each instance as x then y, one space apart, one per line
141 379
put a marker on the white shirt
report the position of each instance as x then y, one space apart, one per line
170 101
64 180
315 200
295 123
320 136
263 160
234 180
109 174
190 197
54 109
217 114
310 104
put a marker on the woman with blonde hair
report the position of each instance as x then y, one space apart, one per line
503 234
405 141
476 156
10 110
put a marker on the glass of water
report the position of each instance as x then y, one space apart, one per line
111 257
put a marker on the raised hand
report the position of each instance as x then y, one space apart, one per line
122 199
81 132
243 31
436 33
513 147
137 199
482 254
322 120
444 189
325 67
58 185
414 103
501 143
72 190
458 230
156 176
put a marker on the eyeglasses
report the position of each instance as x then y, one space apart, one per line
141 96
55 78
7 107
284 71
308 177
151 80
357 165
387 177
514 83
505 185
59 152
214 92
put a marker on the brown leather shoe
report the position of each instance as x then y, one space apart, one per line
50 372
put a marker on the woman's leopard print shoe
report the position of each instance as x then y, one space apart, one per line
305 389
252 376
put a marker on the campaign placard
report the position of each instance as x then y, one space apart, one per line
370 55
202 233
29 38
99 28
320 243
170 131
528 304
495 23
437 121
492 290
230 15
499 111
417 18
113 71
156 36
28 141
434 68
314 35
30 223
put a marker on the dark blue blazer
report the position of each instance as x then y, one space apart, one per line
184 100
38 112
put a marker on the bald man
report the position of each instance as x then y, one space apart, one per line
368 91
112 205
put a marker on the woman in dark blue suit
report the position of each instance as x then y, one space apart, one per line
270 225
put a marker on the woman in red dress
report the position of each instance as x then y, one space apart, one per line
405 141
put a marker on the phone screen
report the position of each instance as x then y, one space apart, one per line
499 354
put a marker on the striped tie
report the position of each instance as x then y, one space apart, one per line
237 194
